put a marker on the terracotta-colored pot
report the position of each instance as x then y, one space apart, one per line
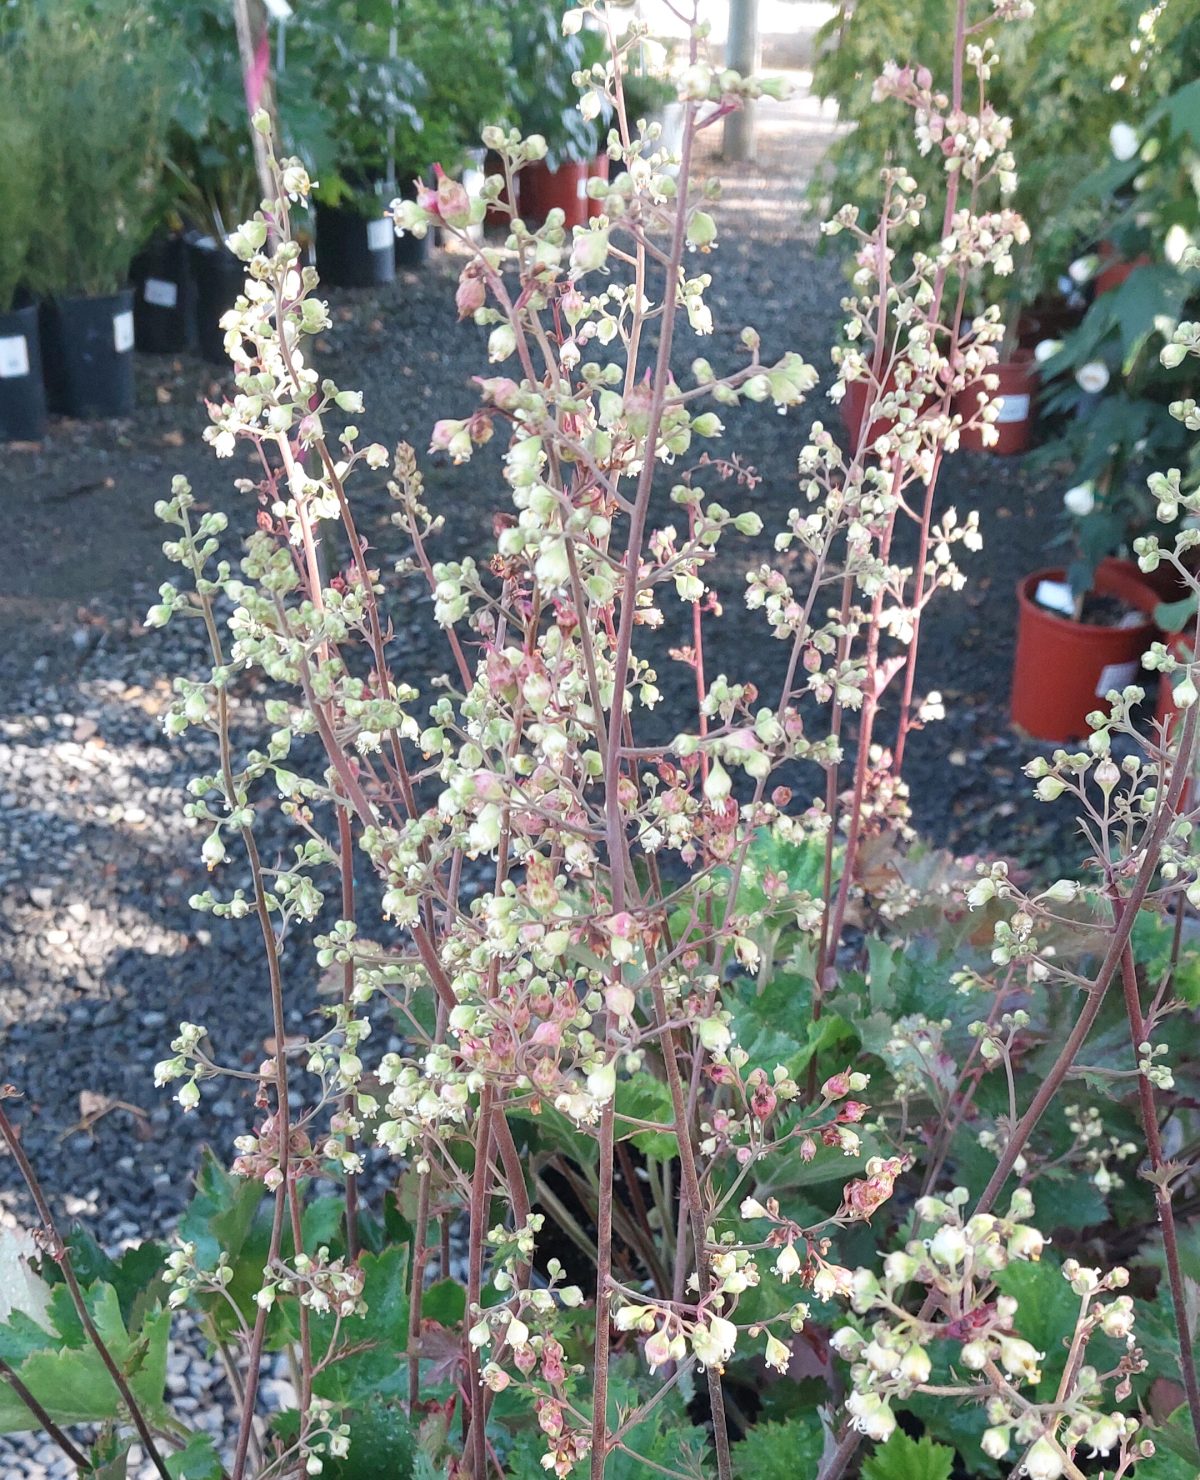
1063 668
540 189
1113 274
1048 318
1016 393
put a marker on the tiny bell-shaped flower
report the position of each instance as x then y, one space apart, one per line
602 1082
1043 1460
778 1354
658 1349
788 1263
948 1246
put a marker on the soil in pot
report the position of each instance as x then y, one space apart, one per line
540 190
1016 394
1063 667
87 354
353 250
219 278
163 312
22 394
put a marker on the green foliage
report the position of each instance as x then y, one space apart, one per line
779 1451
543 97
18 203
197 1460
902 1458
463 88
96 85
1054 71
63 1370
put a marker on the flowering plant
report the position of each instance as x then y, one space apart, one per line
1106 381
680 1058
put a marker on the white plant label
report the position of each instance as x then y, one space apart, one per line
123 331
161 293
1012 408
581 188
1116 676
278 10
1057 596
380 235
14 357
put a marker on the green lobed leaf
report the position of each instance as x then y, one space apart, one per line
780 1451
902 1458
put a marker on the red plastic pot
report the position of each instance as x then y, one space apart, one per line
540 190
853 408
1063 668
1016 393
1115 272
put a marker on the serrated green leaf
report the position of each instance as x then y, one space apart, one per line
197 1460
780 1451
445 1302
902 1458
642 1097
376 1369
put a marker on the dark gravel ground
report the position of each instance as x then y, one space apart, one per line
100 955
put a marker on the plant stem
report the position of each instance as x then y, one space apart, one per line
61 1254
1162 1193
76 1456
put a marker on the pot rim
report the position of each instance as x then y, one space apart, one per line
1084 631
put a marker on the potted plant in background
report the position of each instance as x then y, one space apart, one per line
1107 384
364 90
1049 73
96 85
461 90
22 398
545 101
184 279
1073 647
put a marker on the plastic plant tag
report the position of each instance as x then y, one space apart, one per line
278 10
380 235
1012 408
161 293
123 331
1116 676
1056 596
581 188
14 357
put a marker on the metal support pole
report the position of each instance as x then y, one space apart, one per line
742 54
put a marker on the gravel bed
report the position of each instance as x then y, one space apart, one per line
100 955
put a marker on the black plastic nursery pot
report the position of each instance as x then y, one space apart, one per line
163 310
22 394
354 251
87 354
217 278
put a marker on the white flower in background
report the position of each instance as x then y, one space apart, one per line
1046 349
1083 269
1081 499
1123 141
1092 377
1177 241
